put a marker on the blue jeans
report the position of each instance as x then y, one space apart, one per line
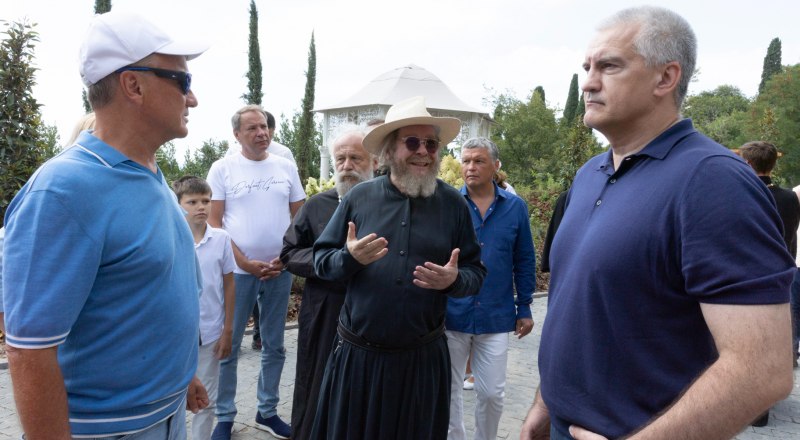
272 297
795 304
174 428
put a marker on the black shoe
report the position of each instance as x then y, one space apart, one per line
222 431
762 420
256 345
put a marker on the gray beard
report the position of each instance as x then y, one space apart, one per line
345 181
411 185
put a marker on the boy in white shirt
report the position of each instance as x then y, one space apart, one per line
215 257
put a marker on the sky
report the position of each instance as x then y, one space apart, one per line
479 49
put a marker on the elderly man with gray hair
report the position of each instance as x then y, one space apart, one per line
668 312
322 300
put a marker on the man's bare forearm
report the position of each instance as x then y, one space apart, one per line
39 393
752 372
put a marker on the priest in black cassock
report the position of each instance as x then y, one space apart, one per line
403 243
322 300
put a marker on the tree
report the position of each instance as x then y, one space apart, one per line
572 102
21 143
540 91
580 146
776 116
165 158
200 162
306 147
772 63
50 142
288 134
712 113
527 135
100 7
254 94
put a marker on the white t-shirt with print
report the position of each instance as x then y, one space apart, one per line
257 196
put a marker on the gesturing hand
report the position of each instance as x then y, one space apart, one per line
433 276
368 249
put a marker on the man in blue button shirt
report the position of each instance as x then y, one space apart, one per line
480 324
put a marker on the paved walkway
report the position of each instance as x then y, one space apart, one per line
523 378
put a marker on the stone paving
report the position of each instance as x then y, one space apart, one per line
523 379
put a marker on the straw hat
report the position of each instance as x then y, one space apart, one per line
411 111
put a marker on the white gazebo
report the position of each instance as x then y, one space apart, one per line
374 100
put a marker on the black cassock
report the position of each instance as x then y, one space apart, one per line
319 310
389 374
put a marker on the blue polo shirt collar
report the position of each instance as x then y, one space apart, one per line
107 153
658 148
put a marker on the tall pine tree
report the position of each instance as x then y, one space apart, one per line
254 94
572 101
306 129
772 63
100 7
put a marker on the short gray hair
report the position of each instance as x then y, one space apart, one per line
101 93
664 37
482 142
236 119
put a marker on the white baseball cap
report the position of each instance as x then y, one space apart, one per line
118 39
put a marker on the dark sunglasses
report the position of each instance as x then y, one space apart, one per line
184 79
413 143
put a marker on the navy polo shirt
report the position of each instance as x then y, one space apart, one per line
680 223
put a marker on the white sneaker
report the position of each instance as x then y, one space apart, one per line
469 383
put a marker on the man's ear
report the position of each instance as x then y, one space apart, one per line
130 85
670 76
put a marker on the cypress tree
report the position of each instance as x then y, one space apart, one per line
772 63
306 130
254 94
572 101
581 109
100 7
540 91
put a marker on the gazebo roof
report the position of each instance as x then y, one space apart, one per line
405 82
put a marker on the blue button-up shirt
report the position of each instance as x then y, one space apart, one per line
507 251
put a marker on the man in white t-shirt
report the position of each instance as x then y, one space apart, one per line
275 148
255 194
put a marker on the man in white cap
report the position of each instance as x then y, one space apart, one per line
404 242
100 280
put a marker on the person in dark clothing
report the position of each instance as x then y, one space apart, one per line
404 242
761 156
552 227
322 300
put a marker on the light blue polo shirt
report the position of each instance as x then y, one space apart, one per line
100 262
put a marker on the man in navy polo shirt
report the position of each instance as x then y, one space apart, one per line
480 325
100 280
667 315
